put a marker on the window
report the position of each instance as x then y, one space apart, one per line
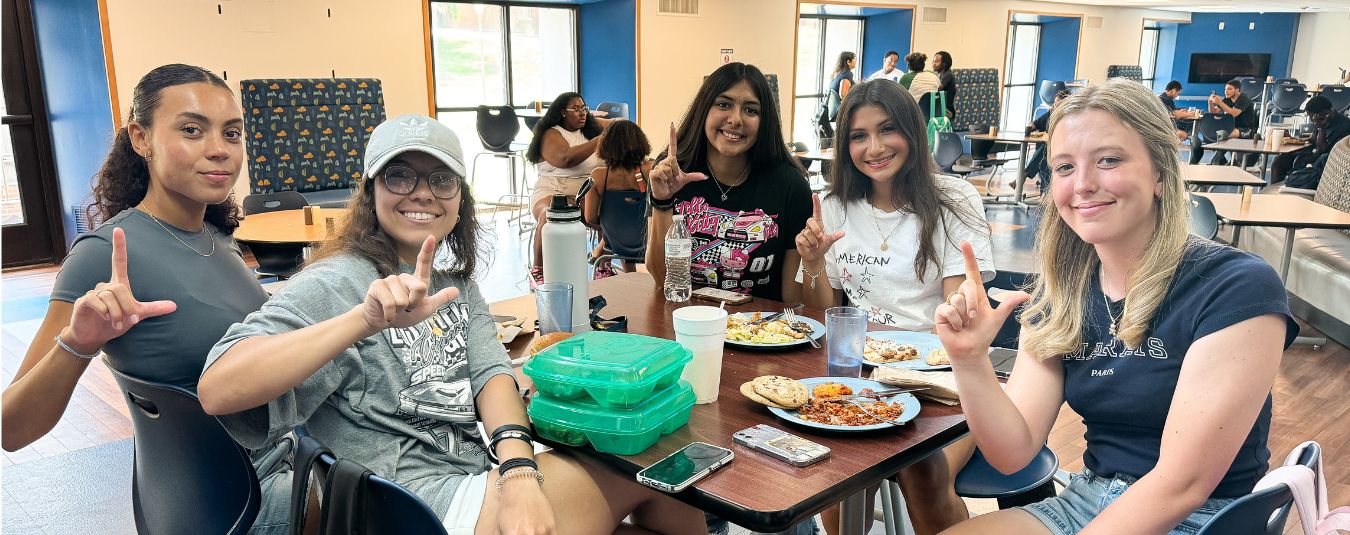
1148 55
1019 86
496 54
820 39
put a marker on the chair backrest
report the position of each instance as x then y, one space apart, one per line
1048 90
948 150
1211 123
1280 81
1288 98
1011 330
308 134
621 219
258 203
1132 72
1339 96
1265 511
1253 88
189 475
977 100
1204 220
389 508
497 127
613 110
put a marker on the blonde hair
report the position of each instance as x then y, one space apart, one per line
1054 317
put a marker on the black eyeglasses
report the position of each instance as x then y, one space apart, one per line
402 180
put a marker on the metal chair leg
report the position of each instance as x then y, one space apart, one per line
887 509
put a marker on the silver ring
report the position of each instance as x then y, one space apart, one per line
100 292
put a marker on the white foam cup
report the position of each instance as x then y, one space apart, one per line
701 330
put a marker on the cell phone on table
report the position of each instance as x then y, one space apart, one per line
719 295
684 467
782 445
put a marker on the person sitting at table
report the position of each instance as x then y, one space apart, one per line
1036 167
563 151
1166 344
624 149
918 81
1304 169
942 67
743 195
1182 119
1242 109
885 239
888 70
386 353
841 80
133 287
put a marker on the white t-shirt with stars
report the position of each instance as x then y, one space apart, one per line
884 282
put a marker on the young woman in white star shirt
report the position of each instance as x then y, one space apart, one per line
887 236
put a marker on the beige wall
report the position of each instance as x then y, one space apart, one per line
1322 47
274 39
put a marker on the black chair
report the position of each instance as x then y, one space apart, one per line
947 153
1048 90
622 222
1288 99
275 260
1008 280
388 508
1263 512
189 475
1339 96
497 130
1029 485
1253 88
1204 220
1207 130
613 110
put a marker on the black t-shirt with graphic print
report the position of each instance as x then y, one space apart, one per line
739 243
1124 395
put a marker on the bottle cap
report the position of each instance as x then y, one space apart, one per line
677 217
560 210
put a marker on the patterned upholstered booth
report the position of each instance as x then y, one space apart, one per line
977 98
309 134
1133 72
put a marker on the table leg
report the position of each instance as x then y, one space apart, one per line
888 510
1021 173
853 515
1288 251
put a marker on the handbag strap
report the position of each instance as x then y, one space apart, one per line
1310 493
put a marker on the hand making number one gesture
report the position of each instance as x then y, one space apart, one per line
401 300
667 178
110 310
966 322
812 242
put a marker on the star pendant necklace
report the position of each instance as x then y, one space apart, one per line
739 180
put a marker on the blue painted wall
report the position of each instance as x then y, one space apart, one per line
607 48
1164 70
70 54
1058 49
1274 34
888 29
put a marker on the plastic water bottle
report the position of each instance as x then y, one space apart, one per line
565 256
678 248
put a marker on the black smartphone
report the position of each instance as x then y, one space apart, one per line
680 469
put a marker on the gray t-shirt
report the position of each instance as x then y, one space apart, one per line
212 293
400 402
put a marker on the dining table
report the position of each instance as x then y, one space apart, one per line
757 491
1218 175
1257 146
288 226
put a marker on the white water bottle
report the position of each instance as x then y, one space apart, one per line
678 248
565 257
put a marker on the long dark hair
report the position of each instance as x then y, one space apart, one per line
553 117
360 234
769 149
124 178
841 64
915 189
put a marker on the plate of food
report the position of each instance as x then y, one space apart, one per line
743 331
821 402
905 349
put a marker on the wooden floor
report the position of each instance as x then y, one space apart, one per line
1309 393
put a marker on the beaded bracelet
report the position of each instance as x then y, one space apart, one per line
518 474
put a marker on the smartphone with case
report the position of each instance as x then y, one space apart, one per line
680 469
782 445
719 295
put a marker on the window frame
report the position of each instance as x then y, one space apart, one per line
1150 78
506 6
1007 68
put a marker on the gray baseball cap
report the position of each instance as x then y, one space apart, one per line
413 132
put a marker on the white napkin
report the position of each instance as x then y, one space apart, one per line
941 386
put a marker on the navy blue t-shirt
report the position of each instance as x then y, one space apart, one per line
1124 394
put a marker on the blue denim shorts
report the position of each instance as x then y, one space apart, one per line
1088 494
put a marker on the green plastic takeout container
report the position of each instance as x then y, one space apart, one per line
613 430
613 369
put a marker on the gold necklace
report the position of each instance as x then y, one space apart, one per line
886 236
206 229
1101 274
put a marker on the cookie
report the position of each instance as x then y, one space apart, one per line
939 357
781 390
749 392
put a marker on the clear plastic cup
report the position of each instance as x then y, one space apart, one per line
554 303
845 333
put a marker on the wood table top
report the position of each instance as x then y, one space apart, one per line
1275 210
286 226
820 154
757 491
1255 146
1219 175
1011 137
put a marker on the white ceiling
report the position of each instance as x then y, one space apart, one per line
1224 6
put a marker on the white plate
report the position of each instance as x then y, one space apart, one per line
910 402
924 342
817 332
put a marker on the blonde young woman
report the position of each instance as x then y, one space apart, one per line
1166 344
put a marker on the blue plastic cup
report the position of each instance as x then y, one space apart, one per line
845 333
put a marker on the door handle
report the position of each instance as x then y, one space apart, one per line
16 119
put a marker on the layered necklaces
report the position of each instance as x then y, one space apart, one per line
739 180
206 229
886 236
1101 275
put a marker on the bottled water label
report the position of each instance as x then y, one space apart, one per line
677 287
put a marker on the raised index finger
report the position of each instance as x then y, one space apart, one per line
423 268
815 207
972 267
673 151
119 257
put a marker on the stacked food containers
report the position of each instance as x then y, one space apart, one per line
618 392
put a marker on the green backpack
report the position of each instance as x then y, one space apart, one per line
937 122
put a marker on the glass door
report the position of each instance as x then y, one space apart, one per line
820 39
1019 86
29 205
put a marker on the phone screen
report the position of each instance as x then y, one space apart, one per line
684 464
